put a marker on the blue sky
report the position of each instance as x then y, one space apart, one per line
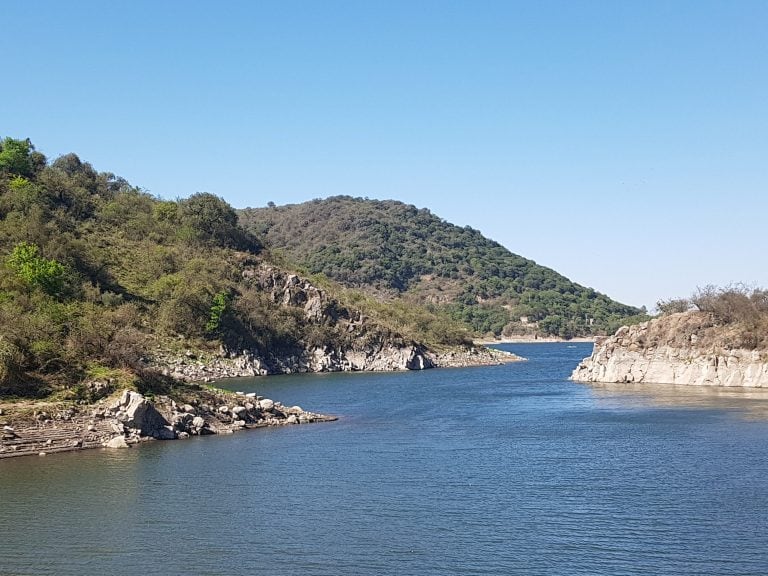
624 144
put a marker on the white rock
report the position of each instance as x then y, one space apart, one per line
117 442
266 404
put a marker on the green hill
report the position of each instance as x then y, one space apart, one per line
398 250
97 276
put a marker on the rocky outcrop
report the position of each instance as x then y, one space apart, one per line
131 418
190 367
676 349
356 346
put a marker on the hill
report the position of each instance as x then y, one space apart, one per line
397 250
103 285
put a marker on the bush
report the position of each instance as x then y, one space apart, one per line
673 305
735 303
35 270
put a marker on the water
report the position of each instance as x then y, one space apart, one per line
500 470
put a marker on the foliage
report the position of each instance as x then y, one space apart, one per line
95 274
19 157
732 304
35 270
208 219
737 315
673 306
390 248
218 308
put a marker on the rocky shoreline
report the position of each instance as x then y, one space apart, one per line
194 367
673 350
128 418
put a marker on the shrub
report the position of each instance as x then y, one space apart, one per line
47 274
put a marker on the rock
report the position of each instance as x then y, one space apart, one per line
165 433
224 409
239 423
117 442
188 408
239 412
198 422
266 405
248 395
140 414
664 351
292 419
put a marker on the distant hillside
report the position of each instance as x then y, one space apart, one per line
397 249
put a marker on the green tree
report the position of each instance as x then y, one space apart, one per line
208 219
218 309
16 157
33 269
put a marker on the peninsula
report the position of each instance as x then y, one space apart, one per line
717 338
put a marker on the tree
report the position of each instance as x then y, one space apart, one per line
18 157
33 269
208 219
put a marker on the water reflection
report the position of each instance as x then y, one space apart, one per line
752 403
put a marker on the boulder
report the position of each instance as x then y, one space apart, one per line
140 414
266 404
165 433
117 442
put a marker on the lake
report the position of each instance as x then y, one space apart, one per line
498 470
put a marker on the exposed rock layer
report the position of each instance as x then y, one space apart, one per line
357 347
677 349
130 418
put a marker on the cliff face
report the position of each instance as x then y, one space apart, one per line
683 348
357 344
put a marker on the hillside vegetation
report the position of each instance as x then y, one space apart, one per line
399 251
728 317
96 274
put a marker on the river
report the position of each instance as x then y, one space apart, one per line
498 470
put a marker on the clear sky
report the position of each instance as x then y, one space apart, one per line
624 144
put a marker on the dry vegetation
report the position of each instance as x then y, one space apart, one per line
734 316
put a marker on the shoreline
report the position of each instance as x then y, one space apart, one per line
126 418
540 340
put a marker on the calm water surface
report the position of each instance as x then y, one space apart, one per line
501 470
